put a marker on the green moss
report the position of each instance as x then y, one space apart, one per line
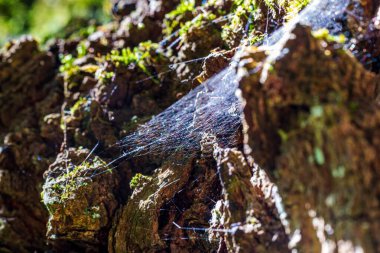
184 6
85 166
319 156
82 49
68 183
82 102
135 121
317 111
129 56
256 38
216 215
339 172
173 20
93 212
283 135
196 22
141 56
67 65
250 12
293 7
84 32
252 220
138 180
103 76
271 4
243 12
325 35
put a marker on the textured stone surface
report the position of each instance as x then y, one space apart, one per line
248 207
28 92
314 129
310 115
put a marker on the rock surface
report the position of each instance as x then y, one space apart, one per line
304 177
315 132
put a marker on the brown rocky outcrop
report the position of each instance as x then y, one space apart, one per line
305 177
312 124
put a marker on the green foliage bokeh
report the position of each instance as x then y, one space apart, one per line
47 18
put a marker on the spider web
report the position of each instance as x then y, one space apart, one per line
213 106
210 108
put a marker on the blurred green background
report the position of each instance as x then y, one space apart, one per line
49 18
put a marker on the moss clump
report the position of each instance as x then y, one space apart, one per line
293 7
72 69
82 49
65 186
138 181
272 4
81 103
93 212
103 75
198 21
183 7
324 34
68 68
135 122
177 18
78 112
84 32
243 13
139 55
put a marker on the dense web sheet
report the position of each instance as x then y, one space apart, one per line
212 107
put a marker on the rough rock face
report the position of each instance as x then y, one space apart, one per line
30 97
147 221
310 118
248 207
80 203
314 129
